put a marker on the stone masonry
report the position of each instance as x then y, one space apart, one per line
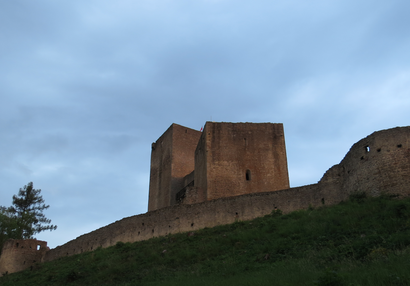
379 163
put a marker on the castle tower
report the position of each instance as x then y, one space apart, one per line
172 158
233 159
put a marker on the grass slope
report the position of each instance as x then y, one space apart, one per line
364 241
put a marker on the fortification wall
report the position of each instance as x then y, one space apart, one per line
378 163
183 218
19 254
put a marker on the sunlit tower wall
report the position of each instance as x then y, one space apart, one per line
172 158
233 159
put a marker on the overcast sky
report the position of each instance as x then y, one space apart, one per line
87 85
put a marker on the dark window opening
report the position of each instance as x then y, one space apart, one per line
17 244
362 158
152 231
323 201
236 213
378 150
367 149
399 146
138 233
24 262
192 224
248 175
142 224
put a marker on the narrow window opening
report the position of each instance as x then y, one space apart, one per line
152 230
24 262
142 224
138 233
38 247
399 146
367 149
236 213
17 244
192 224
378 150
362 158
248 175
323 201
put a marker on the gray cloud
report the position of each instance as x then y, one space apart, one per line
87 86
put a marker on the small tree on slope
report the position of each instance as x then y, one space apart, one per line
27 211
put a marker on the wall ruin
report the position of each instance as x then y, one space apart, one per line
378 163
19 254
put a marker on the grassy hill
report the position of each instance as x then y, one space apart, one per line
364 241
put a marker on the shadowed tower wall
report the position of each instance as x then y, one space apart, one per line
172 158
240 158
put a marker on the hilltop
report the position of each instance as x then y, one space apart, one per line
362 241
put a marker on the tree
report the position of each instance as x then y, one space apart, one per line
26 213
8 226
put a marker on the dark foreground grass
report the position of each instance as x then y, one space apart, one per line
365 241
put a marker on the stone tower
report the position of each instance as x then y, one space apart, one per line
233 159
172 158
226 159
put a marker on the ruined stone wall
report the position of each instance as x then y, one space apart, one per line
379 163
241 158
19 254
183 218
172 158
385 167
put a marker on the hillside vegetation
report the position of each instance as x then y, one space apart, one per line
364 241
